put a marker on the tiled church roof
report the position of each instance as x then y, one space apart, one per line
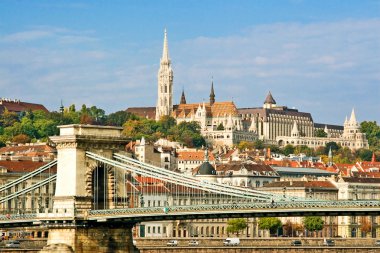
215 110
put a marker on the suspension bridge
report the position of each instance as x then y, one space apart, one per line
101 193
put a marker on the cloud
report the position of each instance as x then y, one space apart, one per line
26 36
323 68
327 62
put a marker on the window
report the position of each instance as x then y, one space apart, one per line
257 183
154 230
148 230
159 230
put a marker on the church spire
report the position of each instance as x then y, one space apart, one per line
212 93
165 84
183 98
165 50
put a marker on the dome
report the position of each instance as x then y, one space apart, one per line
206 169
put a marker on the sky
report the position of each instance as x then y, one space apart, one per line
319 56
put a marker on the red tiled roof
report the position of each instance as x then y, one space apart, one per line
143 112
194 156
367 165
362 180
28 150
20 106
147 180
23 166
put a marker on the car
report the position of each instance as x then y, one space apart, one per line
377 243
172 243
296 243
12 244
328 242
193 243
231 241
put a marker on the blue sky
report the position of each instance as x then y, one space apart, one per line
321 57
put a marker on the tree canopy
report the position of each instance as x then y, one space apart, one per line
270 223
313 223
236 225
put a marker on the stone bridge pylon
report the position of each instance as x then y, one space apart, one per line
82 185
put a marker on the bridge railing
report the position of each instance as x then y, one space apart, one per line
286 205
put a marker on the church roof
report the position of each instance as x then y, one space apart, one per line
214 110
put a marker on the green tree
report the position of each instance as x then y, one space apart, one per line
236 225
8 118
372 131
270 223
334 147
304 149
21 138
288 149
364 154
119 118
320 133
313 223
243 145
258 144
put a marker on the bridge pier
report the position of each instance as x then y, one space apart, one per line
94 238
78 191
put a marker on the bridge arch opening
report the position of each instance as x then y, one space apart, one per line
100 188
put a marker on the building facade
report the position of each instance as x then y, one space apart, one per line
351 137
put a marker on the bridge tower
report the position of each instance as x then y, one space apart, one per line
84 184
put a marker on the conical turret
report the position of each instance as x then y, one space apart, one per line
353 118
269 101
295 132
330 157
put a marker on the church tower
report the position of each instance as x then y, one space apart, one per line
165 83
